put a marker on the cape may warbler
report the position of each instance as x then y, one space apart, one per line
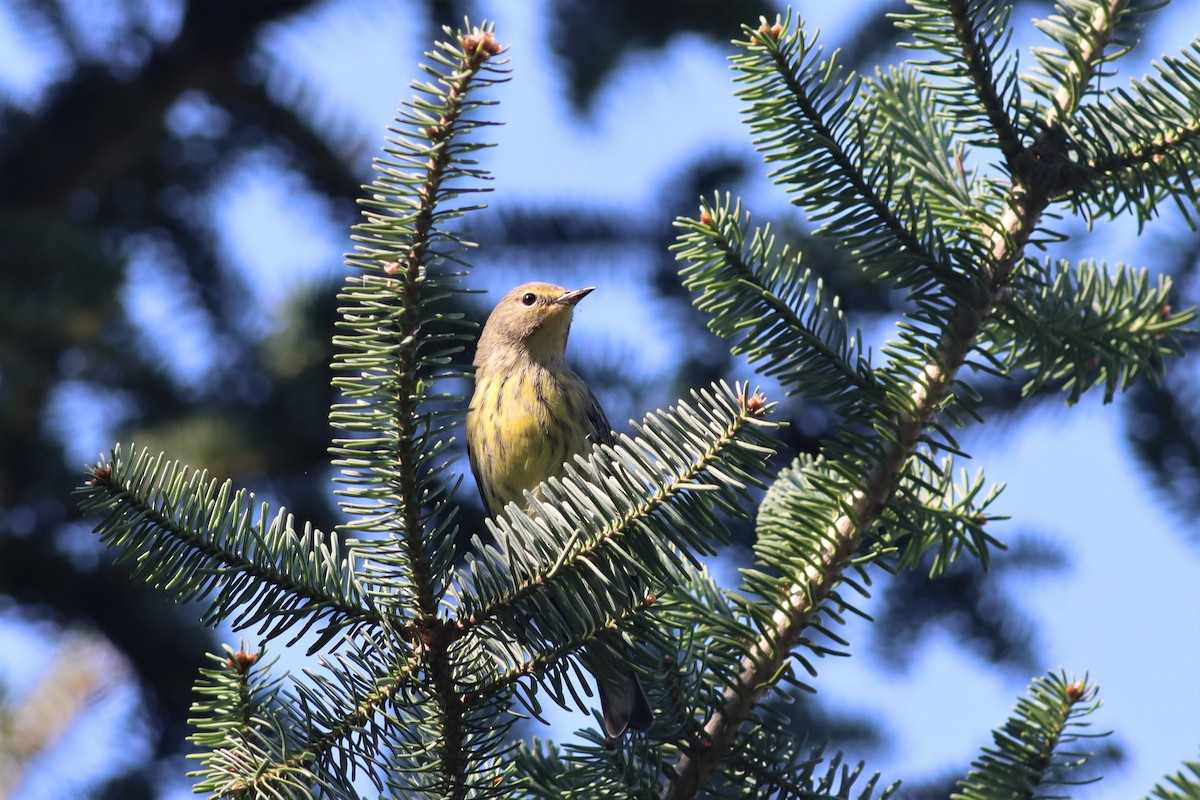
529 415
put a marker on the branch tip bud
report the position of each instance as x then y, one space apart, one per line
480 44
101 474
755 404
242 661
767 32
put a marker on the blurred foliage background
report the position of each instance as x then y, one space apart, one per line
125 315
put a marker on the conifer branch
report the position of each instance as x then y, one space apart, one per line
1028 752
1084 36
793 95
1182 786
391 344
972 36
773 311
390 355
546 659
766 656
297 758
979 58
798 779
1028 198
725 427
192 536
1140 144
1083 327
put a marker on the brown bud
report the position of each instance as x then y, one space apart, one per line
765 32
241 660
101 474
480 44
706 218
1075 691
755 403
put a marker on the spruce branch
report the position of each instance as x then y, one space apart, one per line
932 386
194 536
775 313
1030 752
802 110
597 544
1082 326
971 38
1180 786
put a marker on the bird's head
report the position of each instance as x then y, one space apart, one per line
534 317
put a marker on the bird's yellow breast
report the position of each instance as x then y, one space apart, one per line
522 425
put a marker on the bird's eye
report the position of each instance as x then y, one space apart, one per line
528 299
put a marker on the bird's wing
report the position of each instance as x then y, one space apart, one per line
474 461
601 431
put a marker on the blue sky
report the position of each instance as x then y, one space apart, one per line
1127 611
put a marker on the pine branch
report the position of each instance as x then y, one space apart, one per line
193 536
1182 786
972 37
1141 144
615 528
1082 327
793 94
774 313
1029 754
931 387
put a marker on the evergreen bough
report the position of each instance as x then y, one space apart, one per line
936 178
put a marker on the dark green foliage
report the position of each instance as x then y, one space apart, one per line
1183 785
1033 753
429 659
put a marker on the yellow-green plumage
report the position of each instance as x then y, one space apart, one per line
525 421
529 415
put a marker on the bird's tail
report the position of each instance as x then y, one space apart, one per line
623 702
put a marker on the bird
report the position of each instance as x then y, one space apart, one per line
530 414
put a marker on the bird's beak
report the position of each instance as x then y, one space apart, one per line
575 295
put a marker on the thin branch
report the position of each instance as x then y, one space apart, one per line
1102 27
749 413
978 59
131 505
767 655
